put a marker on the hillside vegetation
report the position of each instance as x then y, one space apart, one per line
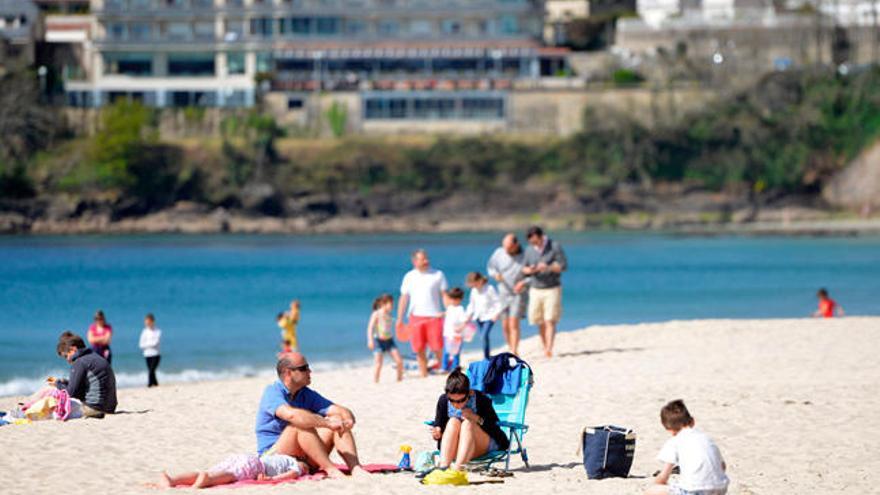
787 135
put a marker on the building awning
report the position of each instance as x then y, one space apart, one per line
416 49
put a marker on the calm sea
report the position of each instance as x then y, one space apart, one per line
216 297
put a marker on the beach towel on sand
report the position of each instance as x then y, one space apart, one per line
370 468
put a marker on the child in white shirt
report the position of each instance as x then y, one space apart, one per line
149 344
484 307
454 321
702 469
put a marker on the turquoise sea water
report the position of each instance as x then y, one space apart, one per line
216 297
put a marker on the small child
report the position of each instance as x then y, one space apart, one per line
240 467
484 307
454 322
149 344
380 336
288 321
827 306
702 469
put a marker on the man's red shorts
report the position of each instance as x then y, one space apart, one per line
426 329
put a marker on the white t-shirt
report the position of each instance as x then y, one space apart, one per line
698 458
455 316
483 304
425 291
149 341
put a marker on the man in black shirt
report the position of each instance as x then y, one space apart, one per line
92 380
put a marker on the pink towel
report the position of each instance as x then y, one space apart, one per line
370 468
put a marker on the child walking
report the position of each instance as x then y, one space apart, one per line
240 467
287 321
149 344
380 336
484 307
700 463
454 322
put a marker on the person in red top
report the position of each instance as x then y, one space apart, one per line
100 334
827 307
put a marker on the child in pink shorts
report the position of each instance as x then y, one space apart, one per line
240 467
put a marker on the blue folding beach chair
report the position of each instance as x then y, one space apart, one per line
511 411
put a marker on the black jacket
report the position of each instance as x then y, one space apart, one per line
484 410
92 381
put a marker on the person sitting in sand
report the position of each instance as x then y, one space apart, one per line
827 306
700 463
240 467
91 381
294 420
466 427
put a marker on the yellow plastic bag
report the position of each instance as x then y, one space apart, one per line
41 409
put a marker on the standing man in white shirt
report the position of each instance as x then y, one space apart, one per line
421 298
149 344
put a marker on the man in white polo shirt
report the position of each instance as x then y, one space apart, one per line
422 293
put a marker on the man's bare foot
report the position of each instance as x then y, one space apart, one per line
165 481
359 472
201 481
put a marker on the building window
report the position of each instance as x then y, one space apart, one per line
235 63
295 103
261 26
234 30
180 4
114 4
235 3
203 4
353 26
190 64
420 27
178 31
140 4
140 31
451 26
441 106
235 99
131 64
204 31
116 31
389 28
264 62
193 99
300 25
509 24
327 25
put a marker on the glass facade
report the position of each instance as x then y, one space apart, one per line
434 106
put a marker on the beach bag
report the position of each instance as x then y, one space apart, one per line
470 329
608 451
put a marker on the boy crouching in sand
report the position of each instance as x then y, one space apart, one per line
240 467
700 463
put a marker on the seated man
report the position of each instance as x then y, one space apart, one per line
92 380
295 420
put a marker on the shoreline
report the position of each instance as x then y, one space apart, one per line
811 381
220 221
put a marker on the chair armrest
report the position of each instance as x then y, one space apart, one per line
518 426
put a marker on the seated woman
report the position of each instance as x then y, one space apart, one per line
465 425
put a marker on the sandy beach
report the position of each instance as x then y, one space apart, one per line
792 405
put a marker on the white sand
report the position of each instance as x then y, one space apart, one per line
793 405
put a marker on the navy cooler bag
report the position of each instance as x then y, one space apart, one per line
608 451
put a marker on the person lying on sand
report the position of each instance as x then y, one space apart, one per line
240 467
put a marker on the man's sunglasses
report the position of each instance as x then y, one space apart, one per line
459 401
304 368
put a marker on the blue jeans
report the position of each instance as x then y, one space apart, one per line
485 327
445 365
